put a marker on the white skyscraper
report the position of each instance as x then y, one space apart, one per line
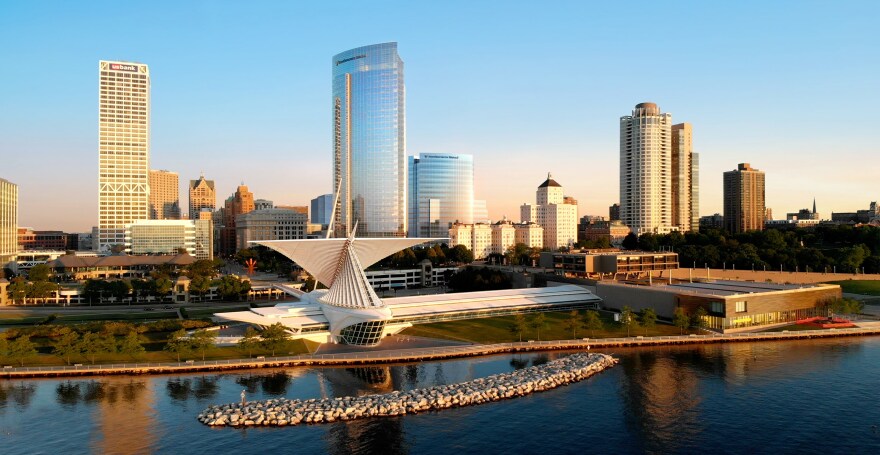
124 149
646 170
8 222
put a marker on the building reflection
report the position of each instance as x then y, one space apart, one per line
273 384
124 411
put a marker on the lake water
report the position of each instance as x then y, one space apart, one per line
776 397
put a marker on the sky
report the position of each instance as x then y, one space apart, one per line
241 91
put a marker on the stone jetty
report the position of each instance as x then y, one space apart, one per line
284 412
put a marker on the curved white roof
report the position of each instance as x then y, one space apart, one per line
321 257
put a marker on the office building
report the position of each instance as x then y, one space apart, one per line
615 231
269 224
614 212
529 234
369 141
164 195
554 214
164 237
441 193
322 208
201 196
744 199
475 237
8 222
123 150
715 221
241 202
685 176
31 240
646 170
263 204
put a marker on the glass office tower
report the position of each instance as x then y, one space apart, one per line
441 192
369 141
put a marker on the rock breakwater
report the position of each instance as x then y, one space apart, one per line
284 412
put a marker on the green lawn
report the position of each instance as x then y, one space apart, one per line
869 287
18 318
497 330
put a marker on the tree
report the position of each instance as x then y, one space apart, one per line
700 318
681 320
648 319
18 290
630 242
162 286
202 340
461 254
275 337
199 285
39 272
4 346
592 321
573 323
537 322
20 349
628 319
91 344
250 341
231 287
518 326
41 289
204 268
179 344
67 345
120 289
93 290
131 345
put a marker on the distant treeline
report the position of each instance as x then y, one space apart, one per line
845 248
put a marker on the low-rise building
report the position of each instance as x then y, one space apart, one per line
609 265
475 237
715 221
151 237
615 231
31 240
530 235
730 306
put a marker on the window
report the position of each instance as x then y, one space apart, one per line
716 307
741 306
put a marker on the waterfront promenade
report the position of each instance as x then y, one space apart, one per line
421 354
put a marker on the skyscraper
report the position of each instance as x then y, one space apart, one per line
685 176
123 150
646 170
164 195
441 192
8 222
239 203
369 141
201 196
322 207
744 208
553 213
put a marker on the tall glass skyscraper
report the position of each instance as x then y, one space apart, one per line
369 141
441 192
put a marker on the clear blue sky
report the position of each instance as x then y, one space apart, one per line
241 91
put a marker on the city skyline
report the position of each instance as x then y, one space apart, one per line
757 88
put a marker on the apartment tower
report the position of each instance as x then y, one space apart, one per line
201 196
646 170
164 195
744 208
369 141
8 222
239 203
123 150
685 179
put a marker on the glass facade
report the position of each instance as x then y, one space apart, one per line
363 333
441 192
369 141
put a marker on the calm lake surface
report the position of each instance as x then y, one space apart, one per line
779 397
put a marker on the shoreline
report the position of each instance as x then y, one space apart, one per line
417 354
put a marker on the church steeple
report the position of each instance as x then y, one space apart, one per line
814 205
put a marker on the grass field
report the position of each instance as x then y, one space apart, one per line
497 330
8 318
868 287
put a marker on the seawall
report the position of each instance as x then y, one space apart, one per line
417 355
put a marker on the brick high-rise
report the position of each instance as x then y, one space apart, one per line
744 208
